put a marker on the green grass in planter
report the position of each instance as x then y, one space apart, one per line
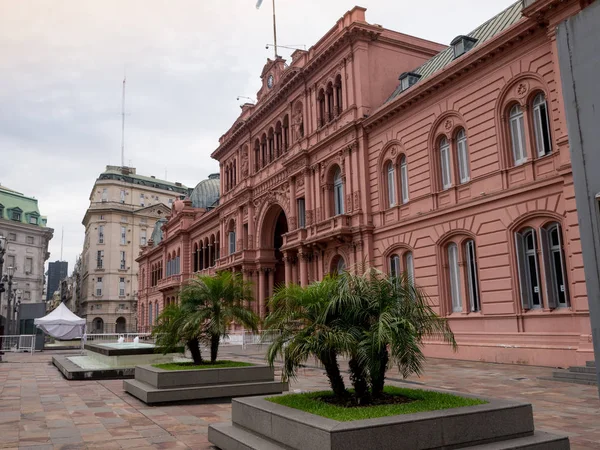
423 401
207 365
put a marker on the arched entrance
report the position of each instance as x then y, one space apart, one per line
121 325
98 325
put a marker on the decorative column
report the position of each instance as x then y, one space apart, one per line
261 292
271 274
303 260
288 268
251 231
210 250
308 202
293 222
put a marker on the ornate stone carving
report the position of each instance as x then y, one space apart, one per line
357 199
393 151
293 223
244 164
318 214
349 203
309 217
299 181
448 124
522 89
298 125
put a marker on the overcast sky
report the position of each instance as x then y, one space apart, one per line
61 72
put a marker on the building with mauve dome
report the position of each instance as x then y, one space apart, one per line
448 162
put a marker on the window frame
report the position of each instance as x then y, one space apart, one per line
456 297
540 114
121 287
404 180
462 155
301 210
390 172
524 268
472 279
445 161
516 123
338 192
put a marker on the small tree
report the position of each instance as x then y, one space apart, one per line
171 331
305 326
214 303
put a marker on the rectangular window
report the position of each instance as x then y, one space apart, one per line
123 218
338 192
301 213
142 200
231 242
10 261
391 185
170 202
445 166
518 139
16 215
121 287
104 195
143 220
33 220
30 240
122 196
463 160
143 237
123 235
395 269
29 265
541 126
100 259
101 217
101 234
99 287
472 277
27 296
123 263
454 273
12 237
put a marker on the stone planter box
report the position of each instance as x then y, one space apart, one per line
499 424
153 385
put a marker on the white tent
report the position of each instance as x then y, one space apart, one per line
62 324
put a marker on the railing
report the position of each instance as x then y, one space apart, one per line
245 338
114 337
18 343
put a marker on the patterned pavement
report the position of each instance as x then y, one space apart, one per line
41 410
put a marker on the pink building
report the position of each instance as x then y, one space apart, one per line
451 163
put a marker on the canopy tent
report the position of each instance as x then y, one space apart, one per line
61 323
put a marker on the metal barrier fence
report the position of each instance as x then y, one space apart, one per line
18 343
114 337
245 338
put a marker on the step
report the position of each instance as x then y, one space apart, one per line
151 395
590 363
582 369
562 374
230 437
538 441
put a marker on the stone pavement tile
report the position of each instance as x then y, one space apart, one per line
167 445
36 447
134 443
124 433
97 437
71 441
64 432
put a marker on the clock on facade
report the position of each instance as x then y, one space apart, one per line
270 81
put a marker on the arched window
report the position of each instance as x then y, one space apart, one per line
554 265
395 269
341 265
541 125
231 237
404 179
463 156
517 135
338 192
472 279
322 111
329 95
445 163
391 184
409 266
338 94
529 274
454 277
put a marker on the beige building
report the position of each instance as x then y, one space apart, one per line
124 207
27 238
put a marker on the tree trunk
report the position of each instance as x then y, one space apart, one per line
378 377
214 347
332 369
193 346
357 376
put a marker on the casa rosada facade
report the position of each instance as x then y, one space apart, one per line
458 173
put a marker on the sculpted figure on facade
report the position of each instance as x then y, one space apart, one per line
298 122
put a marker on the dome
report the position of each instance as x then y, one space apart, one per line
207 192
157 233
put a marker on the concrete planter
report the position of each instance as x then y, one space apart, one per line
499 424
153 385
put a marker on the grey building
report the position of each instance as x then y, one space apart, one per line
578 39
57 271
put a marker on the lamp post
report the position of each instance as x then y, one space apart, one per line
2 252
10 271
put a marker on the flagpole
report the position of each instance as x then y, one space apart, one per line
274 30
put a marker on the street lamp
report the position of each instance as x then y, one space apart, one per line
10 271
2 252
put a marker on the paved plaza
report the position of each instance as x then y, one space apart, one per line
39 409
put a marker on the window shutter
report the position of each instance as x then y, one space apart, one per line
549 274
522 268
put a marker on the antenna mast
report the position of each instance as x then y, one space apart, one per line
123 125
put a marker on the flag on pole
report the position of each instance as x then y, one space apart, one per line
258 3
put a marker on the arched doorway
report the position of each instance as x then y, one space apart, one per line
98 325
121 325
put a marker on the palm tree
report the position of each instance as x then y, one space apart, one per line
214 303
391 316
171 331
304 326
